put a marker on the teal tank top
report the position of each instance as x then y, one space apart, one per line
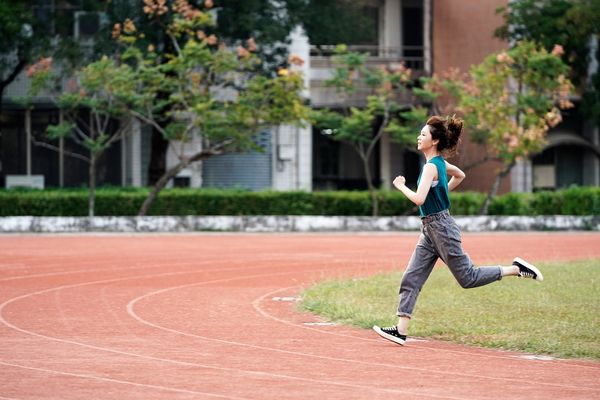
437 198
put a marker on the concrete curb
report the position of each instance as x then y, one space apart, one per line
305 223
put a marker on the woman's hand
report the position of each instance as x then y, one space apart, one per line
399 181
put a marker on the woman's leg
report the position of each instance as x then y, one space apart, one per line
446 237
419 268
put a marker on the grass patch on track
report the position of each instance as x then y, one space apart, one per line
559 317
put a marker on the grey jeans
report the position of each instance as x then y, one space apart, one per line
440 238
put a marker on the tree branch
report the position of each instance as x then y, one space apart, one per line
57 149
149 121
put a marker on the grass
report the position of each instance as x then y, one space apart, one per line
559 317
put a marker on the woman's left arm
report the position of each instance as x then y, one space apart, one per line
457 175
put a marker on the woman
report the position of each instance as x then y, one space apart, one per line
440 236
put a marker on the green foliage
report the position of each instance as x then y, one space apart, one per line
513 119
379 112
126 201
329 22
569 23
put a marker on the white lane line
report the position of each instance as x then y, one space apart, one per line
256 304
185 363
131 311
260 310
111 380
154 275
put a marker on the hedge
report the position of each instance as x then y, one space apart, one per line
127 201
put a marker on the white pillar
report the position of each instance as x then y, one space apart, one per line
427 45
595 139
305 154
28 139
522 176
292 145
385 162
135 154
392 27
61 153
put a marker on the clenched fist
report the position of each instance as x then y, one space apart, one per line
399 181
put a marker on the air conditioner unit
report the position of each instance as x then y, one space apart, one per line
87 25
24 181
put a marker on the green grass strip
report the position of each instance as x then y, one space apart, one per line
559 317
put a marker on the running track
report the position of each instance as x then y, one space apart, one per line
209 316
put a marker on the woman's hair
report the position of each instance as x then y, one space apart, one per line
447 131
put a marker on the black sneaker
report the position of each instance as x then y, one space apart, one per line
527 270
391 333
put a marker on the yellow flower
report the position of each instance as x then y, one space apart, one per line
283 72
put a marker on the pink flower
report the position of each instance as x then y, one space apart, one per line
251 44
558 50
242 52
295 59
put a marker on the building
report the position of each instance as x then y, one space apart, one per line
428 35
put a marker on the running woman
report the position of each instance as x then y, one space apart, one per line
440 236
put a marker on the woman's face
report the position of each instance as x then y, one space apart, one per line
424 140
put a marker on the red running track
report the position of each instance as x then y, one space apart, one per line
209 316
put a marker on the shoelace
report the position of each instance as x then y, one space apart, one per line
526 274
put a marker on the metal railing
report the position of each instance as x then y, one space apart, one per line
412 56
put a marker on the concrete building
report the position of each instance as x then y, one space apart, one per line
428 35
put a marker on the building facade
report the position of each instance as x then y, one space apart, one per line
429 36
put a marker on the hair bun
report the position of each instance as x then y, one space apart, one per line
455 126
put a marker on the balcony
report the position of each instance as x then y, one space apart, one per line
321 67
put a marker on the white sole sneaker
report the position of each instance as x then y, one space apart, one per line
537 274
389 336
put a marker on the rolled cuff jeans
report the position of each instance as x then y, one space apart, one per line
440 238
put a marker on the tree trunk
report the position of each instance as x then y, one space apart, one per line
160 185
158 157
171 173
494 188
92 188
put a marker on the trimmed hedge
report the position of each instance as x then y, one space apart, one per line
127 201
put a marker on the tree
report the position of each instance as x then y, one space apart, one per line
267 22
214 94
362 128
95 104
510 101
205 90
20 39
571 23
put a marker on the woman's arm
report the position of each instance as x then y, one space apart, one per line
418 197
457 175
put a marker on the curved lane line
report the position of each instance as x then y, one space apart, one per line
131 311
256 304
185 363
111 380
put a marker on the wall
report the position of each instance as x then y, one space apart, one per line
462 36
